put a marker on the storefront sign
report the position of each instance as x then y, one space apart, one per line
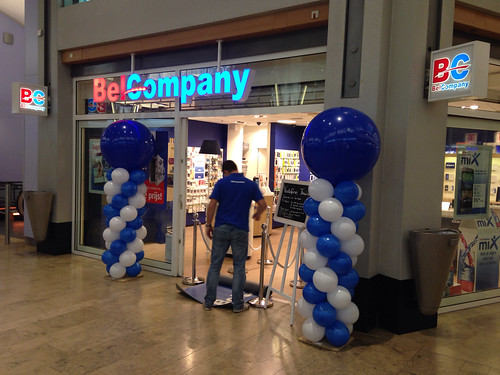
133 87
472 192
459 71
29 99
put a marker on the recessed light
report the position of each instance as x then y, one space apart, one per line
287 122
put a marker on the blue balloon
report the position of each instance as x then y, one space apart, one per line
138 176
108 219
346 192
313 295
127 144
117 247
324 314
129 188
109 211
355 211
328 245
127 235
109 258
134 269
317 226
341 263
135 224
337 334
340 144
349 280
141 211
108 175
119 201
139 256
305 273
311 207
108 267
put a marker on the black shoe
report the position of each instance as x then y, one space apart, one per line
207 307
245 307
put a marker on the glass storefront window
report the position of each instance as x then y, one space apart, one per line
93 170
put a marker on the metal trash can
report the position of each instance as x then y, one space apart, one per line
39 204
432 252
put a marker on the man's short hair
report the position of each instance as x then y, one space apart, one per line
229 166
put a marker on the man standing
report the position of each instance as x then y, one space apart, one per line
233 194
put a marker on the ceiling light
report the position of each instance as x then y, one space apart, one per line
287 122
475 106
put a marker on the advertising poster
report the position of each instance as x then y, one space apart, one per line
472 198
98 167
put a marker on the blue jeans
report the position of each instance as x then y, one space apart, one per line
224 236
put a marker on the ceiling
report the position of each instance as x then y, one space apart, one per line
14 9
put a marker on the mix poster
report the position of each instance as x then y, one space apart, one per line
98 167
472 198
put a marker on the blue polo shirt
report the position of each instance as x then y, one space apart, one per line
235 194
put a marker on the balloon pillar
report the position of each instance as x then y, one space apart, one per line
128 146
339 145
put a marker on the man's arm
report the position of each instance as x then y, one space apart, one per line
212 205
261 207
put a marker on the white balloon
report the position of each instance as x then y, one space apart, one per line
348 315
109 235
109 198
141 233
343 228
107 244
307 240
304 308
325 279
320 189
136 245
312 331
128 213
138 200
330 209
353 246
117 271
354 260
117 224
142 188
120 175
314 260
360 192
112 188
127 258
350 327
340 298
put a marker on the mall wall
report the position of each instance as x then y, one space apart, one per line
11 125
112 20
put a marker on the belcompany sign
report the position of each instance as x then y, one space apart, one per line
29 99
459 71
132 87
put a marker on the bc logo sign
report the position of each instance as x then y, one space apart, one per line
450 75
32 99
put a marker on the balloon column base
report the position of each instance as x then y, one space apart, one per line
193 280
324 344
124 278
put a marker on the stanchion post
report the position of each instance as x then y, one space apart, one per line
267 262
194 280
7 213
260 301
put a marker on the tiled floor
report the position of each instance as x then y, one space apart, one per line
62 315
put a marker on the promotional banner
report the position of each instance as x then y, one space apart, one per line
472 198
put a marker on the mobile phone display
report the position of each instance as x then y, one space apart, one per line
467 190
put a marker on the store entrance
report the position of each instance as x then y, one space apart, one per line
266 148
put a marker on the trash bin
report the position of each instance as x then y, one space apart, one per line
39 204
432 252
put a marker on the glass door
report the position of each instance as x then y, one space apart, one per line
92 175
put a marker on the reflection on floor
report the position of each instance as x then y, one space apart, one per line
62 315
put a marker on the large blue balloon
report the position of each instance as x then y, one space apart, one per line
340 144
337 334
324 314
127 144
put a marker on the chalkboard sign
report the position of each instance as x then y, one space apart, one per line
289 209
